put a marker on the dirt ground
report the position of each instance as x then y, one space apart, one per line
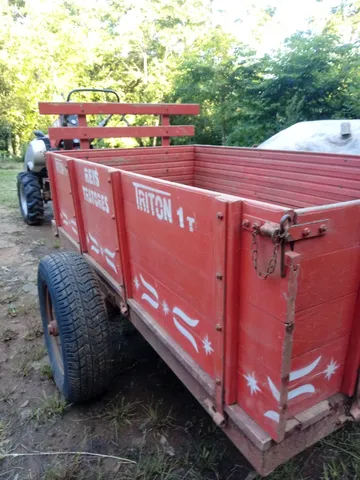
148 416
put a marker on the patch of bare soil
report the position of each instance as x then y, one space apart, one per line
148 416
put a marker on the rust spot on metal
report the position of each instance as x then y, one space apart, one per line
289 327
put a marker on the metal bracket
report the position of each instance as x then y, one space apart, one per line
281 233
218 418
295 232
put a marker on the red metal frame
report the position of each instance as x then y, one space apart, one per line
259 355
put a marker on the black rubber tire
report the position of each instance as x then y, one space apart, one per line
29 183
86 351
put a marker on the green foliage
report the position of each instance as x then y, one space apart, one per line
172 50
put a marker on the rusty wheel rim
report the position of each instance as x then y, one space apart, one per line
53 332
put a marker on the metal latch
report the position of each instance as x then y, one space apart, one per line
281 233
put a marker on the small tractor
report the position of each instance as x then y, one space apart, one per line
33 184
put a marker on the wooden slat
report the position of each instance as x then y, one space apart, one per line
284 156
95 108
105 153
64 133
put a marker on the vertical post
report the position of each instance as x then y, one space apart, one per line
220 212
121 231
165 121
232 313
84 142
53 188
292 262
77 205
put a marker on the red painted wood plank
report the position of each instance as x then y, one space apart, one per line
343 229
133 152
352 360
165 120
273 198
98 213
96 108
323 324
50 163
215 167
128 159
311 186
327 277
64 196
283 165
64 133
256 190
192 331
84 143
285 156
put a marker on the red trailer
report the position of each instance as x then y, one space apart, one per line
241 267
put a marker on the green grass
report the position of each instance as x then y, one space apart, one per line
8 192
50 407
119 413
158 417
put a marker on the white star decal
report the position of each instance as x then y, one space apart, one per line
252 383
330 369
207 346
165 307
136 283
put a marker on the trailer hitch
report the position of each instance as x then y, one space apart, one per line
279 237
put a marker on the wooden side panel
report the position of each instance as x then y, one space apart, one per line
172 164
326 306
60 181
98 213
177 259
286 178
264 339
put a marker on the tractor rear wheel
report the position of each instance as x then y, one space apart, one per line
30 198
76 326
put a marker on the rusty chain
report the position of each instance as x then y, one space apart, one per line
279 236
254 255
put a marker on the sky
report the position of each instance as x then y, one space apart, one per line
290 16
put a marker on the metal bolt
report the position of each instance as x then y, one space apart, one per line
306 232
218 381
322 228
113 217
220 215
219 276
218 327
109 180
256 225
246 223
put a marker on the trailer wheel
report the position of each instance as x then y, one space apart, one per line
76 326
30 198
